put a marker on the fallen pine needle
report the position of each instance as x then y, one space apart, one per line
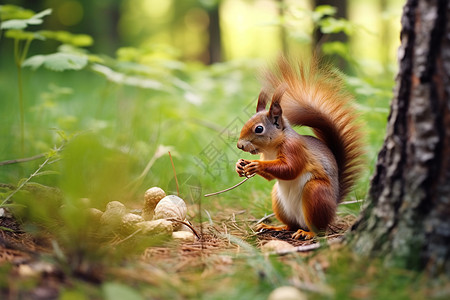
174 174
230 188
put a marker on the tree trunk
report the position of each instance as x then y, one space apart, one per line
215 43
321 38
283 32
407 218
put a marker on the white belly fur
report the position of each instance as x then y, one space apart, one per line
290 193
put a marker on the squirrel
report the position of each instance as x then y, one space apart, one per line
313 174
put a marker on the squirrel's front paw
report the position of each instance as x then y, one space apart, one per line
251 168
240 167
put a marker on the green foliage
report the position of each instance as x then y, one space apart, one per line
65 37
9 12
51 157
354 278
117 291
122 78
332 25
92 170
57 61
20 35
323 11
18 24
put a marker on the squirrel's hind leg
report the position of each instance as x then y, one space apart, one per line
263 226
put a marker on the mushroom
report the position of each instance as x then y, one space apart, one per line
155 227
112 217
151 198
276 245
129 222
171 207
183 236
94 214
286 293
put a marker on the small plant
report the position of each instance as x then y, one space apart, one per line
14 22
22 40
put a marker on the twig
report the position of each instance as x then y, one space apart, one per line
174 174
21 160
200 219
265 218
187 224
351 202
307 248
230 188
32 175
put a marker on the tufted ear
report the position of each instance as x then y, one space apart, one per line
275 111
263 98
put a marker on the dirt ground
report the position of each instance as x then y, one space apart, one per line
22 255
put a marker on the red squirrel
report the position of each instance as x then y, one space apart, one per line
313 173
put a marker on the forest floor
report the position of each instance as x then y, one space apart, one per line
33 271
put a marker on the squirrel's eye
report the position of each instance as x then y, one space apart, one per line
259 129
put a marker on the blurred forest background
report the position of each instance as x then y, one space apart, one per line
220 30
93 94
166 47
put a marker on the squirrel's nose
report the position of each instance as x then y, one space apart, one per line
240 145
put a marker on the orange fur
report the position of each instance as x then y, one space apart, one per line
318 205
313 174
315 98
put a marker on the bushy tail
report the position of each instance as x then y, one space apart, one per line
315 98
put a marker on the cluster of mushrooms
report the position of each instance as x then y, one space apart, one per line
161 215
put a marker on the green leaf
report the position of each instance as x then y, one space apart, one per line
57 61
65 37
48 172
8 12
300 37
23 23
23 35
117 291
332 25
128 54
42 14
6 229
12 205
338 48
72 295
121 78
322 11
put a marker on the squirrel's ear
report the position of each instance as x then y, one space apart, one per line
275 114
263 98
275 110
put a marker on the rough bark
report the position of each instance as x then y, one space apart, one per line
407 218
